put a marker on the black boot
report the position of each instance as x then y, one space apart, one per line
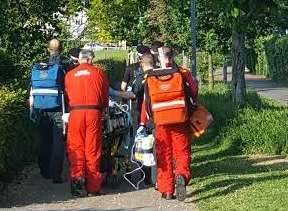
78 188
180 188
167 196
147 171
58 180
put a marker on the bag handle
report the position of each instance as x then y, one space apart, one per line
162 72
164 77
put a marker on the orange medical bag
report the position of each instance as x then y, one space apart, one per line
199 121
166 96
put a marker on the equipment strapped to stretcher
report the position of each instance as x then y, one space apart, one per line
117 135
121 149
117 118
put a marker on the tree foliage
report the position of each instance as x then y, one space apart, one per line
240 21
140 21
28 24
116 20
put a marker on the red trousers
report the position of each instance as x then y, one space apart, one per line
84 147
173 151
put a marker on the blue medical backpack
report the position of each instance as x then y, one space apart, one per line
47 85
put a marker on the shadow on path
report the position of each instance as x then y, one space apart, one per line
37 190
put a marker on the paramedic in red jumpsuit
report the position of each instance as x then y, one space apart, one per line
86 88
173 146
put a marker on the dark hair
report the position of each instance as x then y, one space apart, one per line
143 49
155 45
74 52
168 52
147 58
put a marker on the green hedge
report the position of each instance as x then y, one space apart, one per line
260 127
277 57
17 144
17 141
202 63
272 57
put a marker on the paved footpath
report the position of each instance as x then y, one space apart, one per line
263 86
267 88
33 193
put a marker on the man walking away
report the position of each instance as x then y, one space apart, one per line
51 150
86 89
173 147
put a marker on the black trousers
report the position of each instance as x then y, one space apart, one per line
51 147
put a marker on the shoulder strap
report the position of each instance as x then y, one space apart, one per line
147 100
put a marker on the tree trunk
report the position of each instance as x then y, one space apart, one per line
210 70
225 72
238 66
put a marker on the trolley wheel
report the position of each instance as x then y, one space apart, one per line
115 181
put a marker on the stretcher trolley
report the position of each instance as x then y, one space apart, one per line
117 141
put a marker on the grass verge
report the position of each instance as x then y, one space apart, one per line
227 174
114 63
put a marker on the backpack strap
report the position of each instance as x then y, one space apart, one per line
190 88
147 100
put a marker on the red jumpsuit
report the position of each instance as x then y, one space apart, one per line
173 146
86 86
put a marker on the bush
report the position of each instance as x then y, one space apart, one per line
260 127
8 70
202 64
17 145
261 131
262 63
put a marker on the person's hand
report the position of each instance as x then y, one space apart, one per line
140 130
30 101
65 117
129 88
27 103
129 95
